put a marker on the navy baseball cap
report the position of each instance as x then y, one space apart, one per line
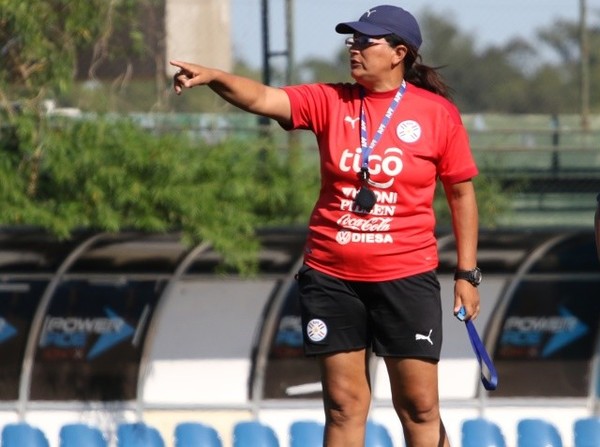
383 20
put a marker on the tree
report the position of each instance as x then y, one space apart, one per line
39 43
111 175
563 39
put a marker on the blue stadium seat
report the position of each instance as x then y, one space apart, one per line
196 434
81 435
138 434
306 434
377 435
537 433
254 434
22 434
480 432
586 432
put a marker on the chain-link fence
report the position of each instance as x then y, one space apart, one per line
546 164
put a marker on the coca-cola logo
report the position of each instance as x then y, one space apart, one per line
374 224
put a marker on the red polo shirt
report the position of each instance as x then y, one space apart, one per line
424 140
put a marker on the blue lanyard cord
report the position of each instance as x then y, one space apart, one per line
366 150
483 358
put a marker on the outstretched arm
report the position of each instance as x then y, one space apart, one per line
244 93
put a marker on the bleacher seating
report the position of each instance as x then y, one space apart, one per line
254 434
81 435
377 435
22 434
138 434
196 434
476 432
480 432
586 432
536 432
306 434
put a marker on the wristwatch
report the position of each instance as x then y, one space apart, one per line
473 276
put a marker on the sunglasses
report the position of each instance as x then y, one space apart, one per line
362 42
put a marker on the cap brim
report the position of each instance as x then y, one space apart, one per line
365 28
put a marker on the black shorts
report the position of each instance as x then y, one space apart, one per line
399 318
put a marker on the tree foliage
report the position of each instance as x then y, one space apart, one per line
113 175
39 43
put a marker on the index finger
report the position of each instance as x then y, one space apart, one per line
177 81
178 64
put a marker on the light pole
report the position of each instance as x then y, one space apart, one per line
289 39
267 54
584 67
266 47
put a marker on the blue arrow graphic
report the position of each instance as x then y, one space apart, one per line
6 330
109 339
563 338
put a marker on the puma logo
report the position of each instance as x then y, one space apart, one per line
351 120
425 337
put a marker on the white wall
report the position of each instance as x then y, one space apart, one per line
199 31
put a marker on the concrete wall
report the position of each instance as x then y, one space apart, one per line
199 31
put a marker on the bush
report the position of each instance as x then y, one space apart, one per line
112 175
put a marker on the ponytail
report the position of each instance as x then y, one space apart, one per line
420 74
429 79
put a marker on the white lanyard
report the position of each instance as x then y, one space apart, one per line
366 150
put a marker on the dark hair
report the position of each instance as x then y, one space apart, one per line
420 74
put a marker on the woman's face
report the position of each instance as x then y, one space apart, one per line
372 59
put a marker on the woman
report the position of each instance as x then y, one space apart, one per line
369 278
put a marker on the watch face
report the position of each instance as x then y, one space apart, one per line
477 276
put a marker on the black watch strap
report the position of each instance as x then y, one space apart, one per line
473 276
